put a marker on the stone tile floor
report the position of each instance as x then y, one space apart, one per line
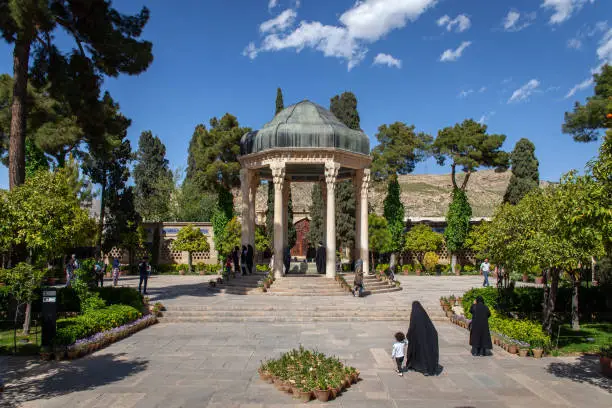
215 364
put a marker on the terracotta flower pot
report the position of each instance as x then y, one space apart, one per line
418 273
322 395
449 313
303 396
537 352
523 352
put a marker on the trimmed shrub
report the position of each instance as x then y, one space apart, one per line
121 296
430 260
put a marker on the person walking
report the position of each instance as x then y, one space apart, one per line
236 260
485 268
143 270
116 266
249 259
99 270
480 337
397 352
287 260
321 258
358 282
71 266
423 352
243 259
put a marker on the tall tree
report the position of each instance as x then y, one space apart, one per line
587 121
106 44
280 105
270 214
315 232
525 175
35 159
457 224
344 107
468 145
152 179
394 214
379 237
399 149
291 231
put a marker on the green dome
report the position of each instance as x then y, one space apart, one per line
305 125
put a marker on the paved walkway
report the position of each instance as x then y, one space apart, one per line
215 364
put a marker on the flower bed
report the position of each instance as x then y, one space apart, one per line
305 373
90 344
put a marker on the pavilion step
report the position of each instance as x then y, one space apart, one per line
288 319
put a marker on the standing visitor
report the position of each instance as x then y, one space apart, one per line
236 260
485 268
71 266
480 337
115 270
287 260
358 282
398 352
249 259
423 352
243 259
99 270
143 270
321 257
228 267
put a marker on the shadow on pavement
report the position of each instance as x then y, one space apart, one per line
584 370
31 379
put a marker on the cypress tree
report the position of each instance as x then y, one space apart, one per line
457 223
280 105
291 232
525 174
315 233
394 214
270 214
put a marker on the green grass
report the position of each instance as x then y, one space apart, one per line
572 342
29 348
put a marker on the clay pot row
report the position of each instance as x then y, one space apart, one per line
305 396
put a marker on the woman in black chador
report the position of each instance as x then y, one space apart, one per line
480 338
423 353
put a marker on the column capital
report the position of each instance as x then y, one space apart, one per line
278 174
365 182
331 172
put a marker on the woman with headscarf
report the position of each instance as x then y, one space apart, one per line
249 258
423 353
480 337
358 282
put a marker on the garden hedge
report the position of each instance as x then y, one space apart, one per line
72 329
68 301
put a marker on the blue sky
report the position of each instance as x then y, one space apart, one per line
515 65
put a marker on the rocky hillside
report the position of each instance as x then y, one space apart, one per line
424 195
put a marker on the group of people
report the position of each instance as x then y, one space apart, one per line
99 270
419 346
240 260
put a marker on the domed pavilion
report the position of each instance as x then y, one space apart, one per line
305 143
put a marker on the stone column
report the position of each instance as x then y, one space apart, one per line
362 220
278 178
357 185
286 190
245 207
324 212
331 172
253 185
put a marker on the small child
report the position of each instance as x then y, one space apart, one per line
398 351
228 267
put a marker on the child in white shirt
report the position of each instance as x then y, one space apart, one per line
398 351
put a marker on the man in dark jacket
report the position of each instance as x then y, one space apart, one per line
143 271
236 260
249 258
321 257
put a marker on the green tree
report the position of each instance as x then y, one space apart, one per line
421 239
22 282
394 214
457 224
270 214
190 239
80 185
478 240
191 205
280 105
262 243
344 107
525 174
468 145
379 237
315 232
35 159
399 149
106 44
121 224
291 232
231 236
152 178
587 121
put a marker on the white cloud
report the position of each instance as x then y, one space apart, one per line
365 22
574 43
515 21
279 23
482 89
507 80
272 4
250 51
453 55
563 9
579 87
484 118
465 93
388 60
525 91
604 54
461 21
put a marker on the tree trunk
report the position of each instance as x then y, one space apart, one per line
575 308
465 180
189 261
102 213
550 300
454 175
21 57
453 263
28 318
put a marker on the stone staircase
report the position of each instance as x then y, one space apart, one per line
243 285
373 286
306 285
288 313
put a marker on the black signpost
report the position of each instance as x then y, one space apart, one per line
49 316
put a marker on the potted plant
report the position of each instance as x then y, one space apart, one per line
538 348
302 393
452 300
322 390
457 270
605 361
523 349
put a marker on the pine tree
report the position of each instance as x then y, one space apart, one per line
152 179
315 233
280 105
344 107
394 214
35 159
525 174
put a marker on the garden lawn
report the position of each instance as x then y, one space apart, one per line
30 348
571 342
